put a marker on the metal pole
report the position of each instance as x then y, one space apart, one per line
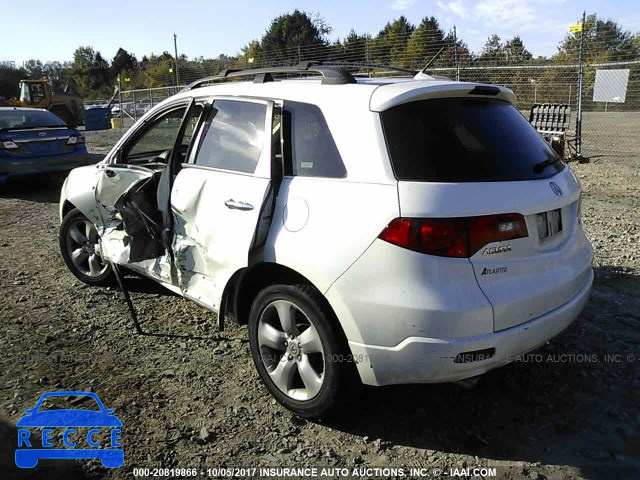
580 81
455 53
366 53
120 100
135 107
175 48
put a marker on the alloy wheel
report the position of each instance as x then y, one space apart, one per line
291 350
84 249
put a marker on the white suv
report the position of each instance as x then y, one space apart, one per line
382 231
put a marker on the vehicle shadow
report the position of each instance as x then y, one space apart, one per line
46 469
37 188
135 283
96 157
563 404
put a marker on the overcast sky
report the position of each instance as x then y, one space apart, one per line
51 31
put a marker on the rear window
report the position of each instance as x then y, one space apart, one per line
28 119
465 140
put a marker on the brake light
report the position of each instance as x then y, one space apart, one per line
9 145
75 139
494 228
453 237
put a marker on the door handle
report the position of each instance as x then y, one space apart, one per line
110 173
234 205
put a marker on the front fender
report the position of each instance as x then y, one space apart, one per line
79 189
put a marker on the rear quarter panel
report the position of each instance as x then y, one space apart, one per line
322 226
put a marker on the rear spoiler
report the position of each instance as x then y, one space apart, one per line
387 96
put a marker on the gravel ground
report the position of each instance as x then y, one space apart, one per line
189 397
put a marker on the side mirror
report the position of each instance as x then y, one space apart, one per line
109 411
30 411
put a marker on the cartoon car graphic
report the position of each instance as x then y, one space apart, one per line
27 457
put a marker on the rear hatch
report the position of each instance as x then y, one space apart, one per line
498 194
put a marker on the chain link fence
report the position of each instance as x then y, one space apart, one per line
608 127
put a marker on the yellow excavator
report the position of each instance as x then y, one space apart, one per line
37 94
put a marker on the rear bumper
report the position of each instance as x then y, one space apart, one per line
431 360
14 168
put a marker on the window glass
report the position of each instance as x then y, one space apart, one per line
25 96
192 122
158 138
29 118
37 93
465 140
233 136
311 147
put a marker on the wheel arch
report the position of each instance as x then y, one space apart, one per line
65 208
246 284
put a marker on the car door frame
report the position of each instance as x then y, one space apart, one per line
264 170
113 163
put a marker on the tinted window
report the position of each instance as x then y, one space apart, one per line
28 118
465 140
313 152
233 136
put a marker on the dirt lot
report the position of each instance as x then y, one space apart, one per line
188 396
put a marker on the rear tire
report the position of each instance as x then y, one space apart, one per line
299 350
80 249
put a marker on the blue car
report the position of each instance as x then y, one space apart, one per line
27 455
35 141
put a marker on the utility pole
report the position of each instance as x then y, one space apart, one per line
455 53
175 48
580 82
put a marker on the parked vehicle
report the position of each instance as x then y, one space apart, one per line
38 94
383 231
35 141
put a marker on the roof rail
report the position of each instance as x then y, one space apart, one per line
353 65
331 75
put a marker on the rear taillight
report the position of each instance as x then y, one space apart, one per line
9 145
494 228
453 237
75 139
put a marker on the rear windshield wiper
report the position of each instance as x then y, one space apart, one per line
539 167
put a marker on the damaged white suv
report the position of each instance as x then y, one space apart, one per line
383 231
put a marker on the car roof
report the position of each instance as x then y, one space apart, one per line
379 93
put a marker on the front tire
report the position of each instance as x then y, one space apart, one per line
80 249
299 350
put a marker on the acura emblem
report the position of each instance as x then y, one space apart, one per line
556 189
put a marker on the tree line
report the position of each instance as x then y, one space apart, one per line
300 36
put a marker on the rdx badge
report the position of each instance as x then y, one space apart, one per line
499 249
